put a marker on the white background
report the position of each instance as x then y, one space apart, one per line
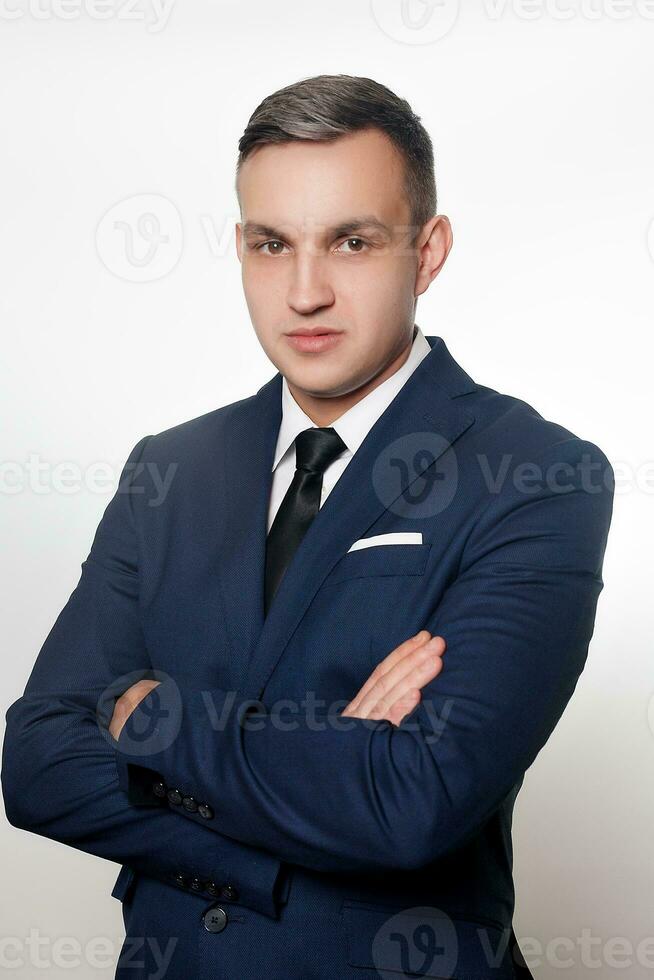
541 118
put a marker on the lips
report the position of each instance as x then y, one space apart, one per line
314 343
316 332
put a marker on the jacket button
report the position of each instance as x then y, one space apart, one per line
196 885
229 893
211 888
205 811
179 879
159 789
215 919
174 797
190 804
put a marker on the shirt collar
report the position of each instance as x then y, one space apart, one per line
354 424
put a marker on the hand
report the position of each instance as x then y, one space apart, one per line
393 688
127 702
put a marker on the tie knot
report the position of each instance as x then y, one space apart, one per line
316 448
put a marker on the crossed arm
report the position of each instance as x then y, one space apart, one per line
517 621
391 691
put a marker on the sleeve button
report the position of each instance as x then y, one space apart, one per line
205 811
190 804
159 789
174 797
215 919
229 893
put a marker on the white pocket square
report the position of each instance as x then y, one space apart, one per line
394 537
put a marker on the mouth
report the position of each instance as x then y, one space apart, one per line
314 341
311 331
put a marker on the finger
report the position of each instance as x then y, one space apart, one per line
399 653
135 694
412 671
382 707
422 675
118 718
403 706
403 668
380 680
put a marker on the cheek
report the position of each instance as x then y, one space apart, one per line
379 293
381 279
263 287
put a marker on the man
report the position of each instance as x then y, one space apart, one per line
297 696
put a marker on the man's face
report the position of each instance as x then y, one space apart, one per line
303 268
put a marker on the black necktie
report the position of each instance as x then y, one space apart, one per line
315 449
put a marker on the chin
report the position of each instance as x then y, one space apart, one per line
318 380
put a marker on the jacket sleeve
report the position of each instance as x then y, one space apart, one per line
335 793
59 774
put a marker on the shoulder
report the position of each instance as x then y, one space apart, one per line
506 423
196 436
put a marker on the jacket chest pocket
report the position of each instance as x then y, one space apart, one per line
380 560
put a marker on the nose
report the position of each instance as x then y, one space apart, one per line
309 288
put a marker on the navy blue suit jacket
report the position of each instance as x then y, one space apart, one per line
260 831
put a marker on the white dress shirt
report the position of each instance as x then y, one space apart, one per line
352 426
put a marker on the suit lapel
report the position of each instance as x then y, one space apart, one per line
370 484
250 439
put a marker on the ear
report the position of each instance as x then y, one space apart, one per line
433 247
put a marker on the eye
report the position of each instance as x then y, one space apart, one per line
273 241
356 251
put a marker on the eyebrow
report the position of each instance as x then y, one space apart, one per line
347 227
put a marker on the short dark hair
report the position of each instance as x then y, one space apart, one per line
325 107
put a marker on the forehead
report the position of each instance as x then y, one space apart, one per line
321 181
